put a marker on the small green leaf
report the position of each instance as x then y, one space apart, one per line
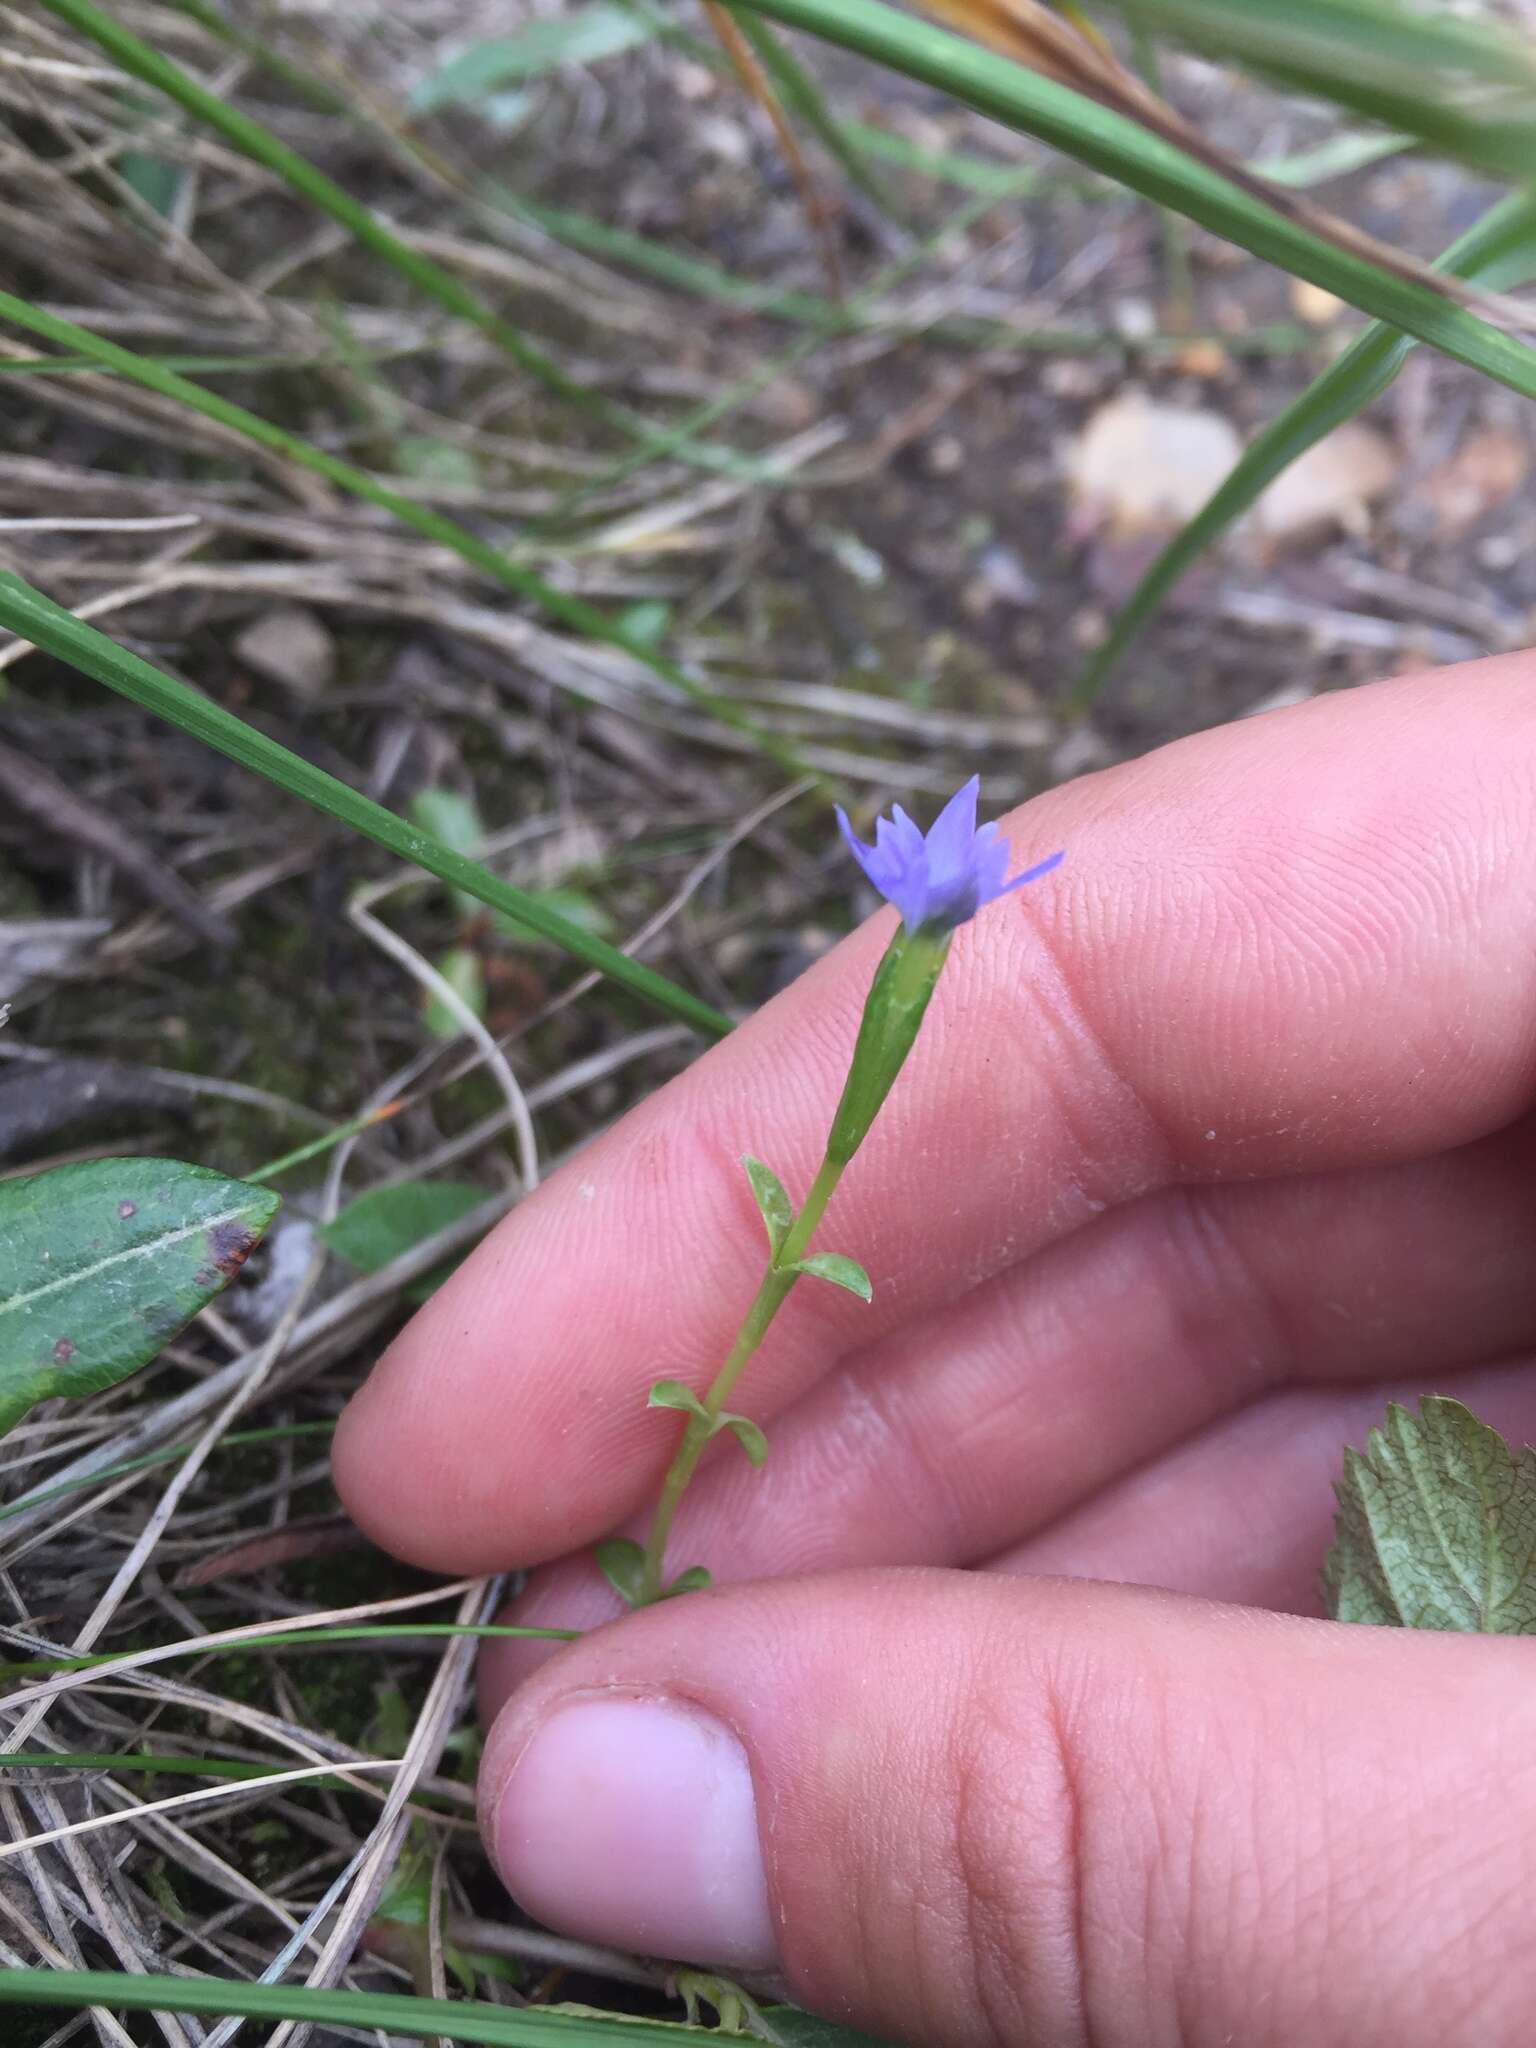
463 970
694 1580
427 459
582 37
840 1271
1436 1527
747 1434
773 1203
407 1896
155 179
103 1262
673 1394
646 620
622 1563
455 821
384 1223
574 905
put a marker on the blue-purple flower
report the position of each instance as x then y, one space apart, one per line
943 879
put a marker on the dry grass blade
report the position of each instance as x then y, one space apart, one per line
201 1796
818 210
1032 33
140 1660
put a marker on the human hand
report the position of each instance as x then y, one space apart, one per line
1208 1147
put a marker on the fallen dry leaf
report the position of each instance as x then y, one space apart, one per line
290 646
1482 473
1142 467
1311 303
1334 483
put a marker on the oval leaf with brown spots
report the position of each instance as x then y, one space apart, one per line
103 1262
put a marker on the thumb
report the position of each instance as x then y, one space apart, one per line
958 1809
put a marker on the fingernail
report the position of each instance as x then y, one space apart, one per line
632 1821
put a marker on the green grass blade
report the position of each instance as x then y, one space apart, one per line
471 2021
468 2020
1109 142
1465 86
801 96
575 612
295 76
398 1633
38 619
1500 248
142 61
582 36
279 1433
141 1764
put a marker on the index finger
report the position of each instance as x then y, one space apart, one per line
1300 942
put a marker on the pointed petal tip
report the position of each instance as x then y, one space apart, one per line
1040 868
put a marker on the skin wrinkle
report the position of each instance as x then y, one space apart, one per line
1132 978
1004 1425
1204 1236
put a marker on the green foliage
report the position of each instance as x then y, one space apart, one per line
141 60
384 1223
464 972
1123 150
893 1014
622 1563
454 819
673 1394
37 618
1500 249
583 618
103 1262
694 1580
584 36
1436 1527
748 1434
469 2021
1465 86
842 1272
773 1203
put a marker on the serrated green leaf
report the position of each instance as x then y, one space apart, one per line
673 1394
772 1199
101 1263
1436 1527
747 1434
622 1563
840 1271
694 1580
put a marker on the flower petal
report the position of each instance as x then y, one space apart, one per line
1041 867
953 832
866 856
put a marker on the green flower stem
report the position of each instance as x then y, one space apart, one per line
777 1281
893 1011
